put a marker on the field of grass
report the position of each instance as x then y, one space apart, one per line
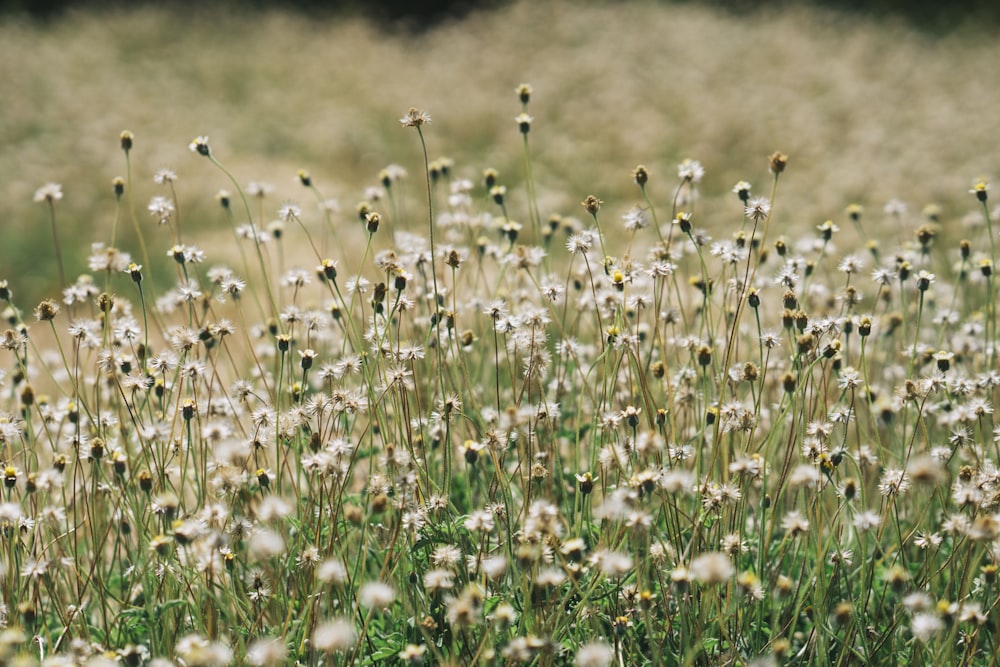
460 386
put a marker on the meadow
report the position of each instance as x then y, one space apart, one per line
564 334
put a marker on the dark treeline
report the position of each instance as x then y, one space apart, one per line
931 15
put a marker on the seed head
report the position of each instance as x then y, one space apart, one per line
592 204
47 310
415 118
777 162
126 139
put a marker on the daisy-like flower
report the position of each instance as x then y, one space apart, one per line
979 188
742 190
200 146
415 118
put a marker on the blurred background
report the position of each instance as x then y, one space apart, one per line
873 102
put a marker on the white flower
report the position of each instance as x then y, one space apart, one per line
50 192
924 626
712 568
635 219
690 171
196 650
613 563
265 544
267 653
867 520
594 654
758 208
335 635
289 212
415 118
376 595
331 571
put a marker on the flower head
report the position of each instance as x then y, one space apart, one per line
200 146
979 189
50 192
415 118
758 208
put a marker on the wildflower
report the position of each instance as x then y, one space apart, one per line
50 192
594 654
161 208
635 219
777 162
198 651
613 563
591 204
979 188
690 171
711 568
924 626
523 121
266 544
376 595
466 610
757 209
335 636
47 310
164 176
524 91
894 482
331 571
641 175
580 243
742 190
200 146
795 524
413 654
267 652
415 118
289 212
895 208
866 520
